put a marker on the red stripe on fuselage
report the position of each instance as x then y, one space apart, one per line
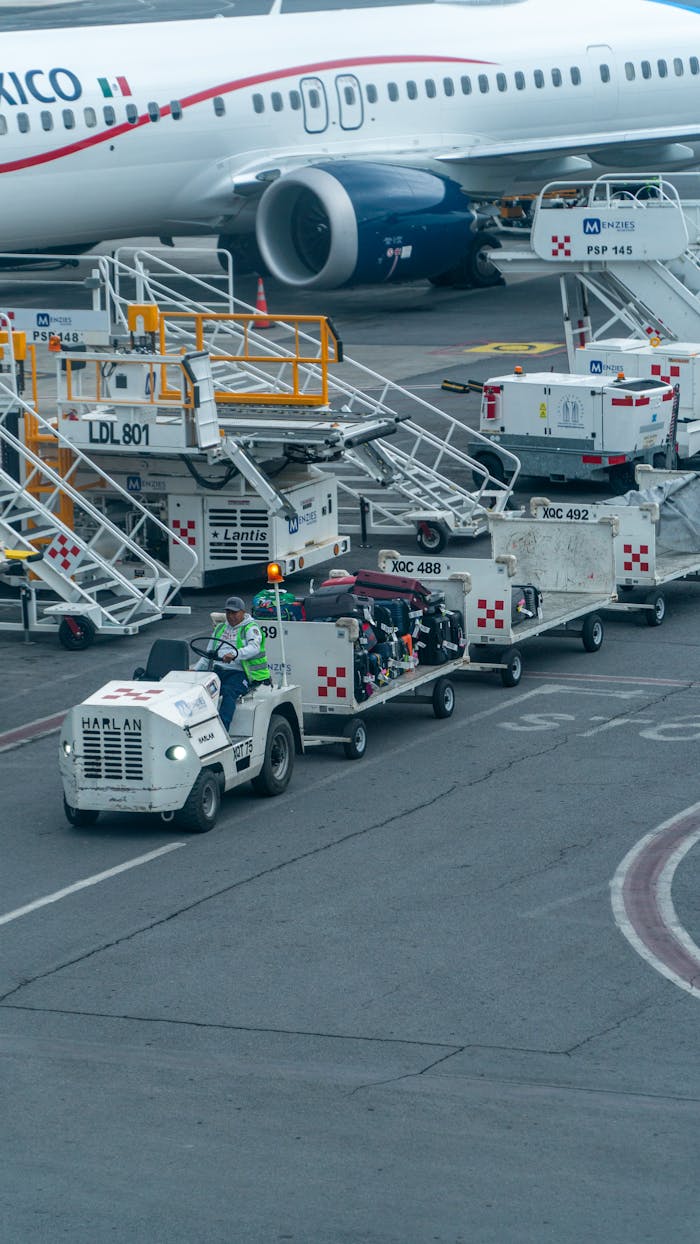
227 88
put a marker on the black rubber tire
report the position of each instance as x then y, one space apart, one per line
443 698
513 661
278 765
76 641
655 616
622 477
355 739
481 273
592 632
431 537
80 817
201 808
492 464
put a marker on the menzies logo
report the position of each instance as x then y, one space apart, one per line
591 224
45 85
596 367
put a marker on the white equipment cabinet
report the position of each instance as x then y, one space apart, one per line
566 426
160 747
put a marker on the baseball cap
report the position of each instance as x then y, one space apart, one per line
235 604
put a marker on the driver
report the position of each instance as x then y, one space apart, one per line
237 649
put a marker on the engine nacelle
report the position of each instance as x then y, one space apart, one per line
351 223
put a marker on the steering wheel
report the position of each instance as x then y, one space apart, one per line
209 648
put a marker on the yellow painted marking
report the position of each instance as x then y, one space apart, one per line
515 347
543 410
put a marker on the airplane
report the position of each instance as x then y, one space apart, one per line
337 148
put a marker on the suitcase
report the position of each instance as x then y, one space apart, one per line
400 614
526 603
327 606
383 621
362 676
389 586
265 606
435 603
383 654
434 630
456 642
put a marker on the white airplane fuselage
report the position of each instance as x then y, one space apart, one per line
176 128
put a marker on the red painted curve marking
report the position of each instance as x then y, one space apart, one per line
33 730
643 908
227 88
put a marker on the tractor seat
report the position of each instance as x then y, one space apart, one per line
165 656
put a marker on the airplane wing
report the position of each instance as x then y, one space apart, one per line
630 147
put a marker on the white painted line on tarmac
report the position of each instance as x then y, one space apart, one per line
643 906
641 682
88 881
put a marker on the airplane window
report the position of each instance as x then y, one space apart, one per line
110 115
276 101
466 85
132 113
22 122
372 95
448 86
46 121
556 77
694 65
519 80
605 73
393 92
314 98
501 82
646 69
3 125
258 103
483 83
678 66
662 68
539 78
411 90
69 118
575 75
219 106
349 94
630 71
430 88
176 110
154 111
90 117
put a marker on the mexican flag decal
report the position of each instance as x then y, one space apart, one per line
114 86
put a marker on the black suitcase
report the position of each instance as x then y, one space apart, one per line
434 630
526 603
456 642
327 606
362 674
384 623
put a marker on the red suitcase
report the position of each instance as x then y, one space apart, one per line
390 586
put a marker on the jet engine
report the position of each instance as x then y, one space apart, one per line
350 223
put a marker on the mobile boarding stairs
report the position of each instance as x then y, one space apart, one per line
631 242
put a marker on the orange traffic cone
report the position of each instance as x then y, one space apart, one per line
261 306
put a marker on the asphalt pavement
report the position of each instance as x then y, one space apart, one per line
394 1004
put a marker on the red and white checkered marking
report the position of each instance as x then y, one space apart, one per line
673 373
561 246
64 553
134 695
328 682
186 530
493 613
633 557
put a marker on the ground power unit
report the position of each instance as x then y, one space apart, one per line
568 427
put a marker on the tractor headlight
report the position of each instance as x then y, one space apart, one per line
67 748
177 753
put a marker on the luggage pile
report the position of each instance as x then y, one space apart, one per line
402 623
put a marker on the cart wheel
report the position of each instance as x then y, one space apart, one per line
513 672
80 817
277 768
355 739
592 632
77 633
431 537
492 464
201 808
655 616
443 698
